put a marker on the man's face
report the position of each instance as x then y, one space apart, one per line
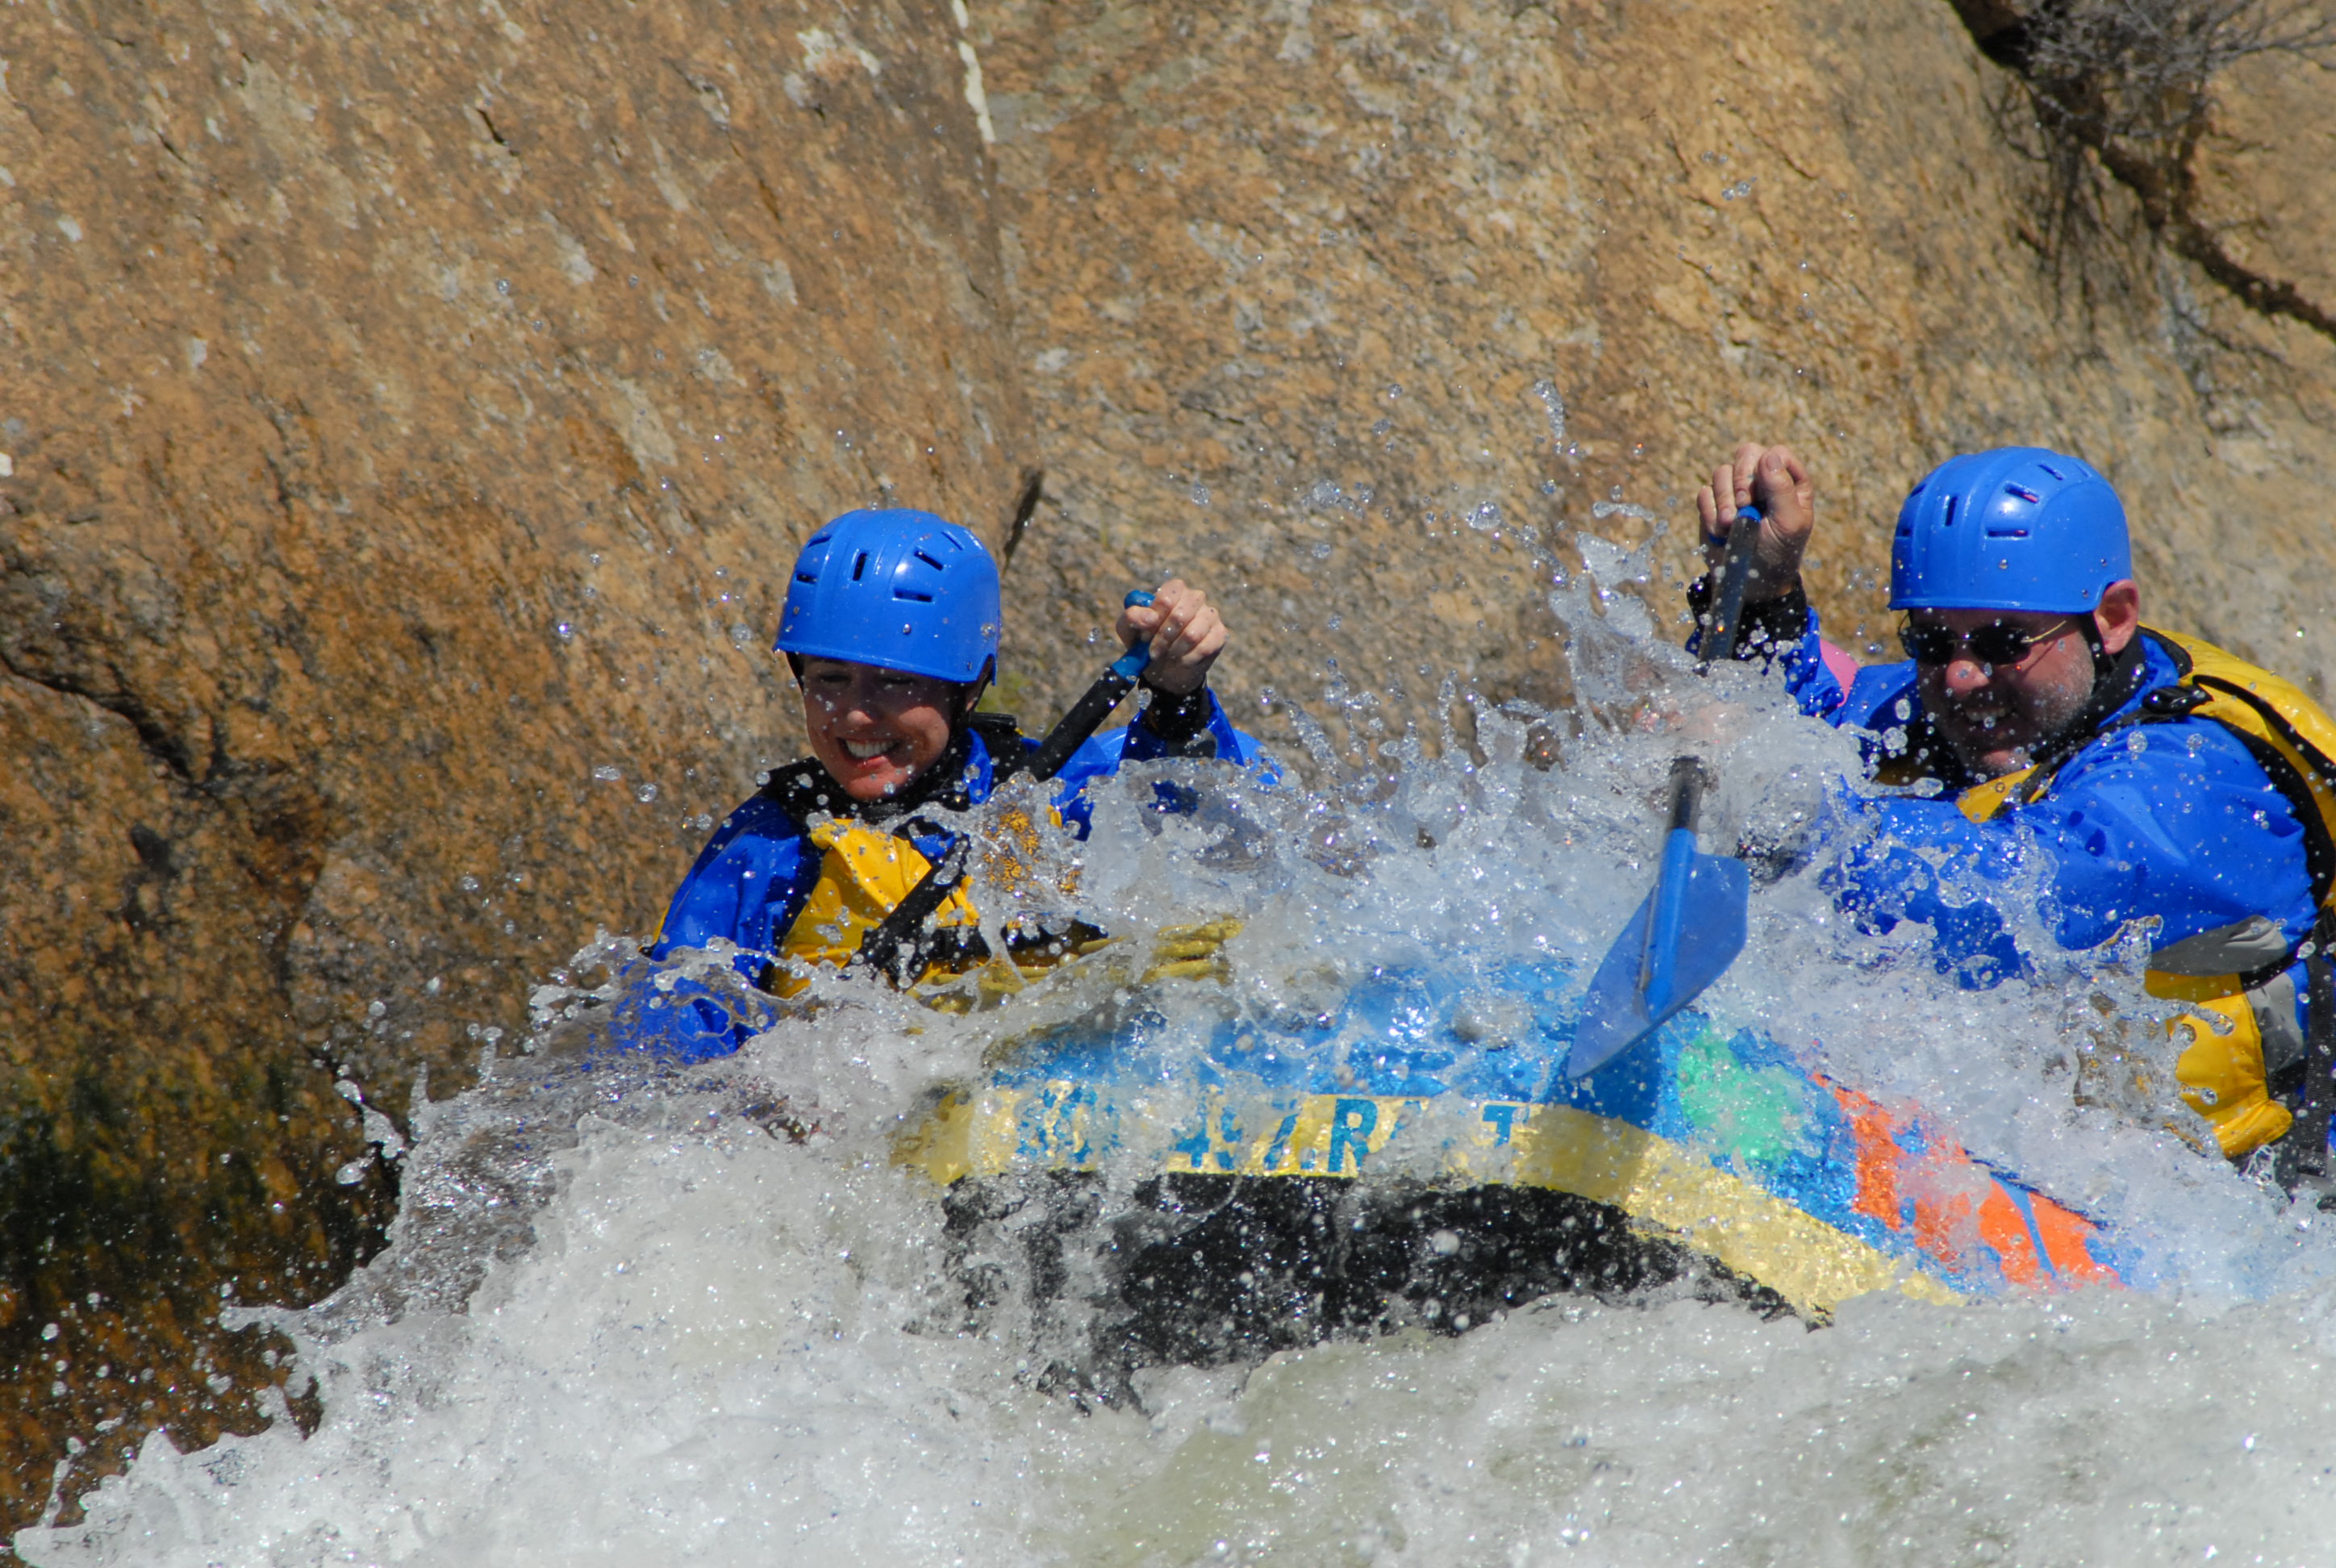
1995 716
876 731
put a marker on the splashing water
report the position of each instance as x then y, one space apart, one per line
639 1313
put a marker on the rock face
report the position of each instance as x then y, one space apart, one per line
1326 265
412 412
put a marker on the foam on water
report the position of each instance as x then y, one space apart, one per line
627 1317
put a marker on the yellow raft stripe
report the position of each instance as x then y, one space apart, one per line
1667 1188
1673 1190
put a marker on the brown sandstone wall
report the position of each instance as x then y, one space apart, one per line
1235 231
412 409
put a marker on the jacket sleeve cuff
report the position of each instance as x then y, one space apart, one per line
1771 626
1181 724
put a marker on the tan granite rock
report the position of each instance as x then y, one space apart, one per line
1312 261
411 413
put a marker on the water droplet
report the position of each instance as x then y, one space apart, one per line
1547 392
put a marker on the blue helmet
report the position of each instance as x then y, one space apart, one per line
897 588
2018 528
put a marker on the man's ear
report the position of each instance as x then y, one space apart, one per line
2118 616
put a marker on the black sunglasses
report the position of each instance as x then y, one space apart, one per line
1992 644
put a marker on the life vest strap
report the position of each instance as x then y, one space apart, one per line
2303 1157
900 947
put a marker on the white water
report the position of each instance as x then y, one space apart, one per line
622 1322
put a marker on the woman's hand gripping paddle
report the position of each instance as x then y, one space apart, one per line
895 947
1691 927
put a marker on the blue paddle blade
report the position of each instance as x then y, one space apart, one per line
1682 937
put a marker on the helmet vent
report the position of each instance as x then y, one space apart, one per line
1950 511
928 561
2053 472
807 576
917 594
858 565
2022 491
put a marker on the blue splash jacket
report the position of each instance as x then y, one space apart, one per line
2171 820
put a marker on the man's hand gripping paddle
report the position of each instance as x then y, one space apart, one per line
1692 926
894 947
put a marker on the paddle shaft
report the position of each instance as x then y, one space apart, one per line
1689 780
1656 955
1735 579
898 936
1072 730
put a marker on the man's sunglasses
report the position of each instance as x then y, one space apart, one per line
1992 644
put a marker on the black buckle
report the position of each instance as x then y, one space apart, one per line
2172 701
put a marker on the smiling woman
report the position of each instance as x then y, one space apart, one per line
876 731
890 625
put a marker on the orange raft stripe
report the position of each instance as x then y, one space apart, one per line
1877 1158
2064 1235
2039 1244
2001 1227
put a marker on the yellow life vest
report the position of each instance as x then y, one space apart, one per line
2232 1007
864 874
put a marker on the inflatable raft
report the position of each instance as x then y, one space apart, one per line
1421 1128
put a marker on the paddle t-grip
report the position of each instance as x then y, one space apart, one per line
1735 579
1115 682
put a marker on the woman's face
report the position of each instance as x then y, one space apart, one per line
876 731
